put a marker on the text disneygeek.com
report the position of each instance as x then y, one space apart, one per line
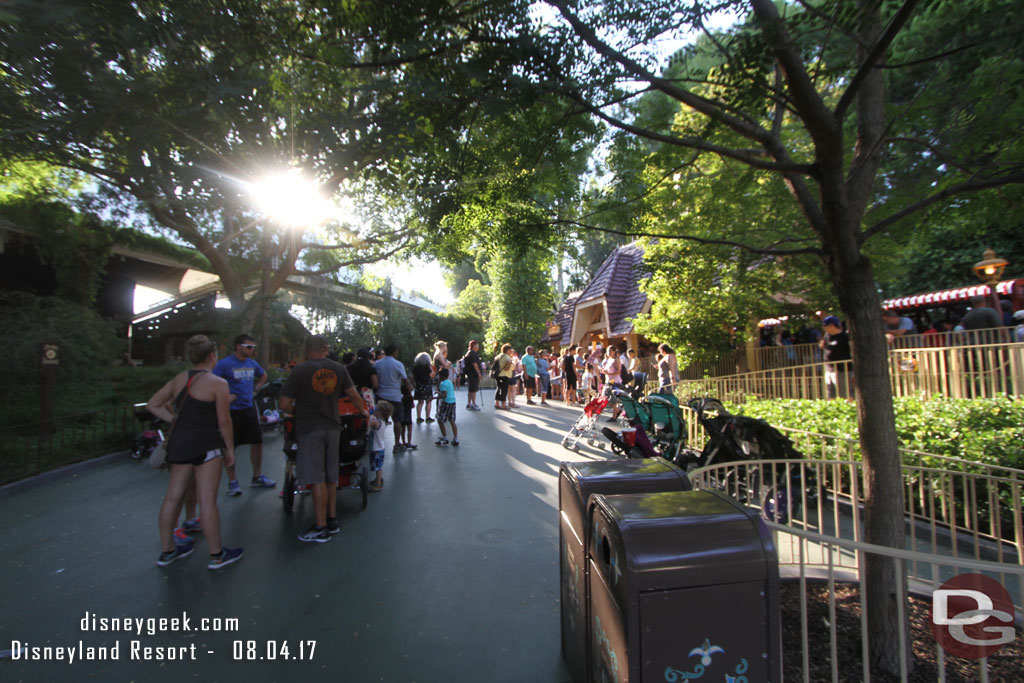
136 649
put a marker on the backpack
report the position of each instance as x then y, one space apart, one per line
496 368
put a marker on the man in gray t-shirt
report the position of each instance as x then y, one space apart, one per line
391 376
311 395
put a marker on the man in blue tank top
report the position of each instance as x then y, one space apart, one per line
245 377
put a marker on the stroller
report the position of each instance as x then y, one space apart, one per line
777 488
586 424
266 405
352 449
152 434
655 427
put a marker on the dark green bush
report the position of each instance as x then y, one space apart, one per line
89 345
981 430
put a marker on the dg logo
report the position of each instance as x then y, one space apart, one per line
972 616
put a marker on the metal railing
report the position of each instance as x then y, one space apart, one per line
960 517
30 449
765 358
973 371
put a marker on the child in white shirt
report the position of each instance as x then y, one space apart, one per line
381 412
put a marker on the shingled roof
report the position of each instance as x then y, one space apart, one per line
563 319
617 280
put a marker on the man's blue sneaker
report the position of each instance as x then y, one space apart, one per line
261 482
227 556
233 488
181 549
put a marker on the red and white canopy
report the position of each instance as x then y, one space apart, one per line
946 296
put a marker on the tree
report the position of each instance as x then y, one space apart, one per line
184 106
521 298
802 95
474 300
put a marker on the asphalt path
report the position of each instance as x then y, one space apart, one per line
449 574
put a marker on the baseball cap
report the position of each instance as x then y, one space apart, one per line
831 320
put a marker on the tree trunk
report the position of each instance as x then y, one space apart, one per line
883 480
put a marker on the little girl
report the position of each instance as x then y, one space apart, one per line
589 383
381 412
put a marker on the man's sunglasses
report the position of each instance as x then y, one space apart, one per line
248 346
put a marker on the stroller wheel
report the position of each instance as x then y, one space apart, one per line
137 451
288 487
364 484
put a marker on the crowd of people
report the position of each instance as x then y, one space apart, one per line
575 375
212 411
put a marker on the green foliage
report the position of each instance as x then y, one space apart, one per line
474 300
521 297
88 346
980 430
413 331
36 180
73 244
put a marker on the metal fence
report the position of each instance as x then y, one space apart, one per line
960 517
29 449
968 371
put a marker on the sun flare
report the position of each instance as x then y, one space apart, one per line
293 199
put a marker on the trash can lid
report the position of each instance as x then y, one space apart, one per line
681 539
617 468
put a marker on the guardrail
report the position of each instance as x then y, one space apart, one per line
27 450
957 520
975 371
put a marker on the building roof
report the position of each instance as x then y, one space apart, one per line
562 320
617 281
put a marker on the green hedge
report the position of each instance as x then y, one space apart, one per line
981 430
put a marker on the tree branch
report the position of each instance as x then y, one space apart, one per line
962 188
813 251
744 126
870 62
808 103
939 154
356 262
754 158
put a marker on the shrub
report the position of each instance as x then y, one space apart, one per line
989 431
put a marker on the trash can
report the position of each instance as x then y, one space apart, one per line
683 585
576 482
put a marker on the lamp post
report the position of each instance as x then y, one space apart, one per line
989 270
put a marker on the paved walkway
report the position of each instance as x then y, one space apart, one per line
450 574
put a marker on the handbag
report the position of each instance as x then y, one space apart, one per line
159 455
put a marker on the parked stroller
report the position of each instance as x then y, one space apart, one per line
775 487
654 427
152 434
352 451
586 424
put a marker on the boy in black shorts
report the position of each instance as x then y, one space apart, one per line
406 433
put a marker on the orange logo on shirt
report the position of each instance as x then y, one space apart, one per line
325 381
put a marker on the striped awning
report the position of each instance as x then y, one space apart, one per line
946 296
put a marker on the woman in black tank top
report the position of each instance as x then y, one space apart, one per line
197 404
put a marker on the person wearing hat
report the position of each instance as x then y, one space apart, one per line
838 369
1018 332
